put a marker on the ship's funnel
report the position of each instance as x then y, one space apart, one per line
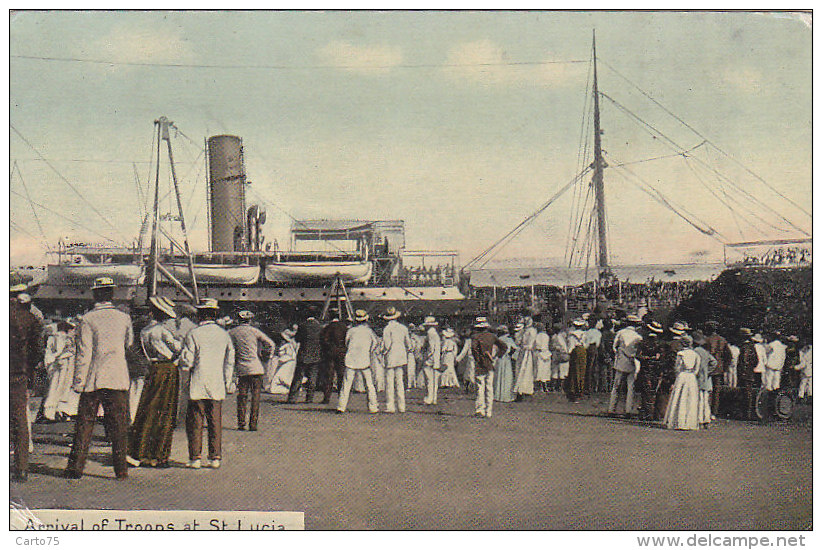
227 193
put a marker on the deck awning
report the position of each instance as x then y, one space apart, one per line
329 230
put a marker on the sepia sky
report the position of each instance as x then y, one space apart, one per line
452 121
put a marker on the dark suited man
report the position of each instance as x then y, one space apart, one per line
101 376
308 357
332 340
26 350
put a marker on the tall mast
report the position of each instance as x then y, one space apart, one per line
599 166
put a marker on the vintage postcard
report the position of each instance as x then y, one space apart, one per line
412 270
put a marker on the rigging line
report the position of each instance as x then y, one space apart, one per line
581 146
721 190
667 201
293 67
20 229
78 224
50 165
590 243
700 134
33 211
140 196
674 145
661 199
578 223
525 222
672 155
95 161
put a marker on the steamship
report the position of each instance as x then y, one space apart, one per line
368 256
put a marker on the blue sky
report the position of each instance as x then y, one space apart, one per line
453 121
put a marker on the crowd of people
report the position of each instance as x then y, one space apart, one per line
444 274
780 257
135 373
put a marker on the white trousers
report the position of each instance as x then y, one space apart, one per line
730 378
805 387
348 381
771 379
432 383
394 389
629 399
485 394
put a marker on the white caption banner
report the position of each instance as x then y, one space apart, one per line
153 520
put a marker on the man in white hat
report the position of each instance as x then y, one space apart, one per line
432 360
625 346
485 347
209 354
396 346
361 342
101 376
250 344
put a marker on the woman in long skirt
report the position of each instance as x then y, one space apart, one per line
151 432
286 362
504 369
449 359
61 401
542 357
683 404
524 384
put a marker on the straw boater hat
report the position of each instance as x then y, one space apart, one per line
745 331
679 328
580 322
103 282
246 315
162 304
430 322
360 316
391 314
502 329
518 327
586 315
24 298
655 327
633 319
18 288
758 338
481 322
448 333
208 303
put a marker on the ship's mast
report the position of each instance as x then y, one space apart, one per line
599 186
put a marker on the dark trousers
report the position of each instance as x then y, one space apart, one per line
309 370
210 412
116 420
251 383
18 403
718 380
592 358
333 366
646 386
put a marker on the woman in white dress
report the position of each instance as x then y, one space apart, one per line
683 405
542 356
286 362
449 359
61 401
524 384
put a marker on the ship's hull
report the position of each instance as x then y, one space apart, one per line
291 272
224 274
84 274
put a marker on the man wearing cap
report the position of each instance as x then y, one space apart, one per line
332 342
396 346
101 376
209 354
649 355
308 357
485 347
361 342
154 422
250 344
26 350
625 346
718 347
432 357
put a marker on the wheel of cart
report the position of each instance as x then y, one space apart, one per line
777 404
